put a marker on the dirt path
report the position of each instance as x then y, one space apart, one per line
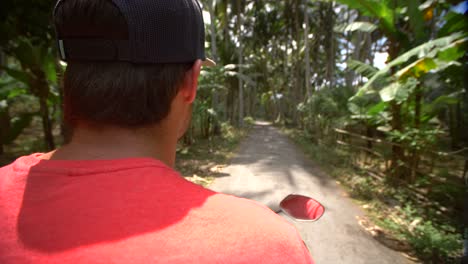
268 167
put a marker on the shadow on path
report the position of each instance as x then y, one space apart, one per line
269 166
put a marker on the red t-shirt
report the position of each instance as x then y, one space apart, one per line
131 211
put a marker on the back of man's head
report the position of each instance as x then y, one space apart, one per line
112 92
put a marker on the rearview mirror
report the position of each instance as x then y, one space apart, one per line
302 207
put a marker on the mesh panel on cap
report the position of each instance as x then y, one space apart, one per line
164 31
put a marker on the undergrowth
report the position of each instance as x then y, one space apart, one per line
432 230
202 161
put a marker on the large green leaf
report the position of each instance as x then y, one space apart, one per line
11 88
416 21
357 26
389 93
373 113
453 52
454 23
16 74
429 49
377 9
362 68
417 68
26 53
430 110
5 88
377 109
17 125
398 91
422 66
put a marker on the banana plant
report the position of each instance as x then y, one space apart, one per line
434 55
11 128
408 28
36 70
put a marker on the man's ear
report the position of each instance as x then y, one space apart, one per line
191 82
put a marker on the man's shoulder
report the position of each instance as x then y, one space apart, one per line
252 231
16 164
246 211
242 204
8 172
4 168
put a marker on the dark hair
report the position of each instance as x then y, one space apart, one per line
112 93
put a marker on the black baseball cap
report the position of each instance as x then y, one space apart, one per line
160 31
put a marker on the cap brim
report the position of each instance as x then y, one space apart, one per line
208 63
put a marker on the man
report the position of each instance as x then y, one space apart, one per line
111 195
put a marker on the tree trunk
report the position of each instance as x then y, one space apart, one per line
40 88
188 136
306 47
4 127
240 62
253 101
457 137
465 172
46 124
453 126
297 67
214 54
350 76
417 124
398 153
4 116
369 134
331 46
231 100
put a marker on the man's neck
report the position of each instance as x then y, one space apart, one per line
116 143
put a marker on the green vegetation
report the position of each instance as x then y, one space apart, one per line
430 228
400 130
